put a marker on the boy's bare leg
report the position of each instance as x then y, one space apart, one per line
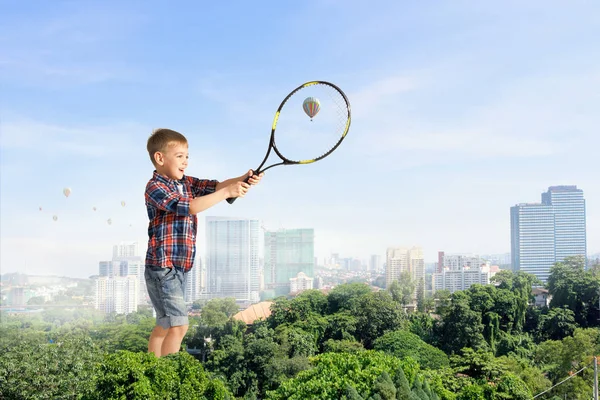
172 342
157 337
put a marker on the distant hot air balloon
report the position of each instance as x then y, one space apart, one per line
109 221
94 208
311 106
40 208
122 204
67 191
55 217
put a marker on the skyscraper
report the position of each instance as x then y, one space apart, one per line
287 253
232 258
569 220
547 232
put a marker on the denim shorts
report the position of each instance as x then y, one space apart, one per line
165 288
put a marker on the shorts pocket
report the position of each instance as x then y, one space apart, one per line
160 274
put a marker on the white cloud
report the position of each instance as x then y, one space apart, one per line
95 141
542 116
77 45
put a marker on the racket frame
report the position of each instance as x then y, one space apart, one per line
272 145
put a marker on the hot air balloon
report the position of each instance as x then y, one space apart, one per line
109 221
55 217
122 204
94 208
40 208
311 106
67 191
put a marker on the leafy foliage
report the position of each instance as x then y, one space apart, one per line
405 344
144 376
334 372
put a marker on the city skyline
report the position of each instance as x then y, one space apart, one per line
459 111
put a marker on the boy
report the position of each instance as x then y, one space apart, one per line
173 200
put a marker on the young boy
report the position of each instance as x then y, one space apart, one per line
173 200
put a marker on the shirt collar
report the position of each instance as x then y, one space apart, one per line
167 180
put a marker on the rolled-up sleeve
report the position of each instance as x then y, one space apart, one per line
159 196
201 187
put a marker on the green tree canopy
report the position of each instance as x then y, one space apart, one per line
572 287
144 376
332 373
405 344
460 326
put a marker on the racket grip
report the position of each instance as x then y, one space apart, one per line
230 200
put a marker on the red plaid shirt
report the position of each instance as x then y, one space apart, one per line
172 229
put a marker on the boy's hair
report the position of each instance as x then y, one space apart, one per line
160 140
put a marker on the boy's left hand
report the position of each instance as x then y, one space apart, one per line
254 179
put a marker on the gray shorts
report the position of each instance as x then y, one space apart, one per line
165 288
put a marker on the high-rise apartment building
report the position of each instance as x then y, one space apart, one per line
287 253
232 264
463 278
440 264
375 264
194 282
547 232
126 263
118 294
124 250
400 260
455 262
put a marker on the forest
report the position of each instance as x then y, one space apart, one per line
355 342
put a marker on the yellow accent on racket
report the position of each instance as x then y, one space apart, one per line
275 120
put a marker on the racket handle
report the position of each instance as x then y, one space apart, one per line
230 200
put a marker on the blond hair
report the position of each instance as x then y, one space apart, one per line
160 140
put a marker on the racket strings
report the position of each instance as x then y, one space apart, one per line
301 137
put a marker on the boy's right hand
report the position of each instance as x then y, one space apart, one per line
238 189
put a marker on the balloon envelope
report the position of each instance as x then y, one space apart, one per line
122 204
94 208
311 106
109 221
67 191
54 217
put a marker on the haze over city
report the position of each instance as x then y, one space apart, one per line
460 111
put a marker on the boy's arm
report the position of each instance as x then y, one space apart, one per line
225 183
202 187
161 197
234 189
252 179
208 193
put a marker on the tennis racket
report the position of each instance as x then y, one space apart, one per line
309 125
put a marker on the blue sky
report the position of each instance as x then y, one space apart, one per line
461 109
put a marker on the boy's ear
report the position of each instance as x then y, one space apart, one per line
159 158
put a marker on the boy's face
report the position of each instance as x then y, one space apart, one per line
173 162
